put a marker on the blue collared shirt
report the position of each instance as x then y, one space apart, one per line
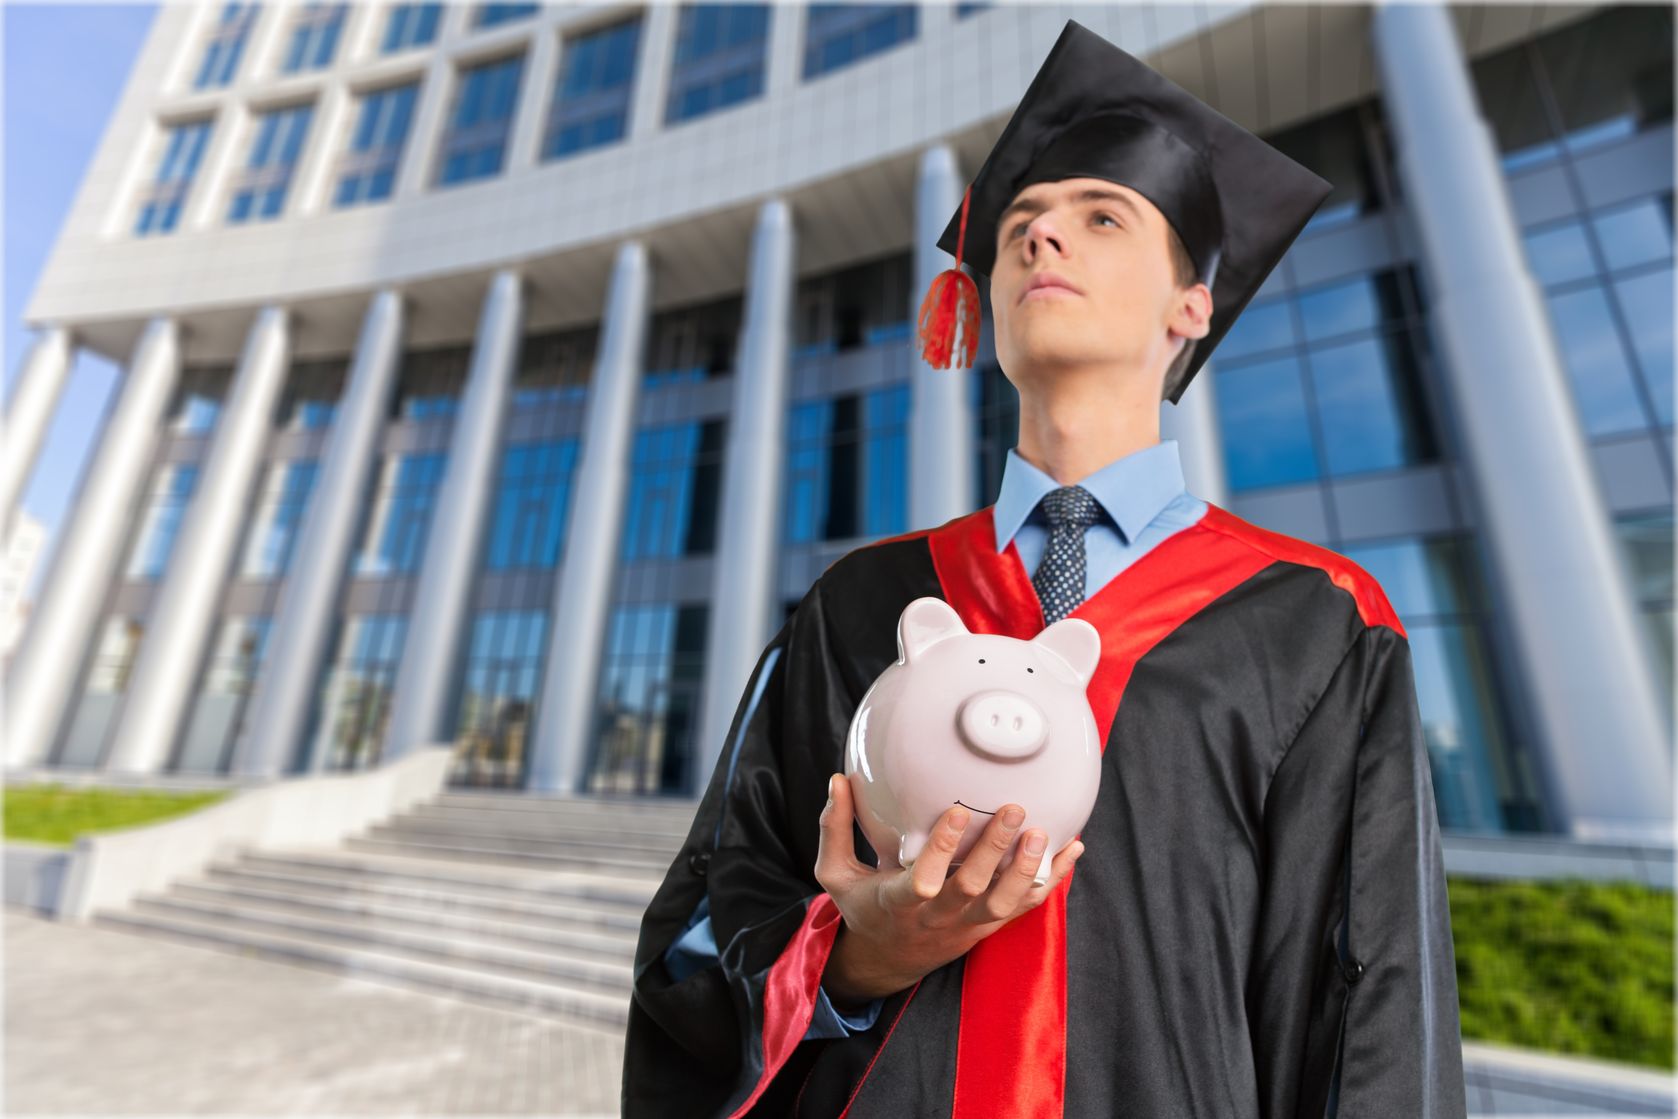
1143 502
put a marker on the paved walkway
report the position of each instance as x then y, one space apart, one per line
99 1021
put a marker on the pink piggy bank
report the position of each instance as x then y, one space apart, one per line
979 720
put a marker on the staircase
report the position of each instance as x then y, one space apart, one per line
506 898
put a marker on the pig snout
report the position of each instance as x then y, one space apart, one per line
1003 724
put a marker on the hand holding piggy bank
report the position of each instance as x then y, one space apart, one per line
979 720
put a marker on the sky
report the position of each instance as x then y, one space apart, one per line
62 69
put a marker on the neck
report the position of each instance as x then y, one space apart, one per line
1072 426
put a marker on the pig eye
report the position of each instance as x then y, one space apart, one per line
981 660
1029 669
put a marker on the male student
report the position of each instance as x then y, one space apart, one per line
1256 925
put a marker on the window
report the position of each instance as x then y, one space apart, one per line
694 343
497 698
847 468
314 37
85 742
590 104
312 389
1647 549
430 383
836 35
969 7
399 517
650 678
165 196
226 43
674 489
555 367
489 15
367 172
160 523
866 304
410 26
481 121
260 191
354 705
532 496
278 518
720 52
199 394
219 710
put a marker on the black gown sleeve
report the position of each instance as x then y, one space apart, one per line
711 1042
1352 990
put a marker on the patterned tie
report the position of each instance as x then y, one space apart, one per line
1060 574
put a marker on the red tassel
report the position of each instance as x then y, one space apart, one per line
952 300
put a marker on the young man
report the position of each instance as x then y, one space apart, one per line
1257 924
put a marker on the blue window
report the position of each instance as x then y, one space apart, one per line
278 518
160 524
531 498
591 98
968 8
411 25
431 382
400 515
647 720
836 35
488 15
674 491
314 37
1265 427
218 712
226 44
199 396
481 121
165 196
356 690
720 50
848 468
368 171
497 697
260 192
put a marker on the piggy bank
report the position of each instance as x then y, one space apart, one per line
980 720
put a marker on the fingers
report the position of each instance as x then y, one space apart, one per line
1015 891
925 880
973 878
836 861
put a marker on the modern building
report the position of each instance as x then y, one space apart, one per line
24 540
503 374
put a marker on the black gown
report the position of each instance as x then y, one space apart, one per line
1258 926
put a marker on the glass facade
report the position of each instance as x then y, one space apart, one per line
87 739
862 305
219 709
274 527
848 467
165 196
314 37
555 367
311 394
720 59
160 521
490 15
198 398
836 35
480 121
410 26
354 705
399 516
591 98
650 686
674 491
260 192
532 498
504 658
367 172
693 343
1647 549
430 383
225 44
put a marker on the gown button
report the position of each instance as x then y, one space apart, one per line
699 862
1354 971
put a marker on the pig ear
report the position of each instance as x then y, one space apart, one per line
1076 642
923 623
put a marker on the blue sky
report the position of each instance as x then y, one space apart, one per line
63 72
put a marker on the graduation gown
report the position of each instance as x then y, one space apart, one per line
1258 926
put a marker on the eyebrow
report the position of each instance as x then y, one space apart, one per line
1089 194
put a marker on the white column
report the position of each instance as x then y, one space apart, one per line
183 617
536 88
652 86
46 664
941 454
284 690
577 628
425 680
28 413
1568 599
745 603
1193 422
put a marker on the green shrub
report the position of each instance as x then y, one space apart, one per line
1570 966
57 814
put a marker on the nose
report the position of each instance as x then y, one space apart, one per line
1005 725
1042 229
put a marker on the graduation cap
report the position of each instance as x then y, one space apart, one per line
1094 110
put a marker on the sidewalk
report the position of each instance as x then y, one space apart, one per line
99 1021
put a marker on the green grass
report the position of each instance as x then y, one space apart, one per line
57 814
1572 967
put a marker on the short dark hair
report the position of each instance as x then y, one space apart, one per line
1186 275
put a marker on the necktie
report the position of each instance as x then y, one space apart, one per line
1059 578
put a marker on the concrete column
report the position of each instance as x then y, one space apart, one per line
425 681
941 454
284 690
183 616
745 603
45 665
652 72
28 413
1193 422
577 629
536 89
1567 596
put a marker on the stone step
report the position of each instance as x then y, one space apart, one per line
559 826
649 871
588 973
648 808
550 937
628 846
580 913
588 1007
411 869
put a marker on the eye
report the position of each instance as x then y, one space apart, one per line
1029 669
1108 216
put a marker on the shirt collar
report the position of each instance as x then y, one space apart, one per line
1133 490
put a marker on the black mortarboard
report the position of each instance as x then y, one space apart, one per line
1094 110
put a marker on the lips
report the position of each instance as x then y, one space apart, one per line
1048 280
